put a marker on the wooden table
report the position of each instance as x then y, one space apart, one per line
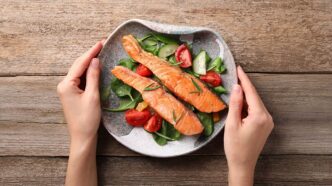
285 46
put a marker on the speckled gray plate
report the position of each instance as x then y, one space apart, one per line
137 139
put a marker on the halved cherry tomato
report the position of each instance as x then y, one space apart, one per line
137 118
182 55
211 78
143 71
154 123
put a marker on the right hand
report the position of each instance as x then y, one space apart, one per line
82 107
245 137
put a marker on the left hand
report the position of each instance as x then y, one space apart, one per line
82 107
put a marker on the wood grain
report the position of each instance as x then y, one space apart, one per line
264 36
202 170
32 123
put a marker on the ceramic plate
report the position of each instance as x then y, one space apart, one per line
137 139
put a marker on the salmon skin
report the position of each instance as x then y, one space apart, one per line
186 86
167 106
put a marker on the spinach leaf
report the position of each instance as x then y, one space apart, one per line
144 38
164 39
121 89
219 90
207 121
157 138
166 133
128 63
126 103
172 132
217 65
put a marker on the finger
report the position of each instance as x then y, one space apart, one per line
252 97
103 41
92 77
82 63
235 106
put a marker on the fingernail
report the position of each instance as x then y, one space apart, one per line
103 41
95 63
236 88
240 68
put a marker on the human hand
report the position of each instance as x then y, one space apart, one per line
82 107
244 138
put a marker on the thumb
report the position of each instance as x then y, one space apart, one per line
92 76
235 106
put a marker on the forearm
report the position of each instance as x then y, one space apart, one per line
82 168
239 176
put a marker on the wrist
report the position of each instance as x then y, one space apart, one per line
241 174
81 146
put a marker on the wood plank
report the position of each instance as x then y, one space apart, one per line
274 170
31 119
264 36
30 100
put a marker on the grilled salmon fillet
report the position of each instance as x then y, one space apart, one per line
180 83
168 107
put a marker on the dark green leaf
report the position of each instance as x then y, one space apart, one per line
121 89
166 133
144 38
164 39
127 62
158 139
222 69
172 132
217 65
207 122
126 103
219 90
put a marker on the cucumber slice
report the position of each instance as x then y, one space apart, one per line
199 63
167 50
150 42
150 48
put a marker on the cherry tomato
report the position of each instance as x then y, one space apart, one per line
182 55
137 118
211 78
154 123
143 71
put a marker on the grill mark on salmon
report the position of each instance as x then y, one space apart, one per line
177 81
162 102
